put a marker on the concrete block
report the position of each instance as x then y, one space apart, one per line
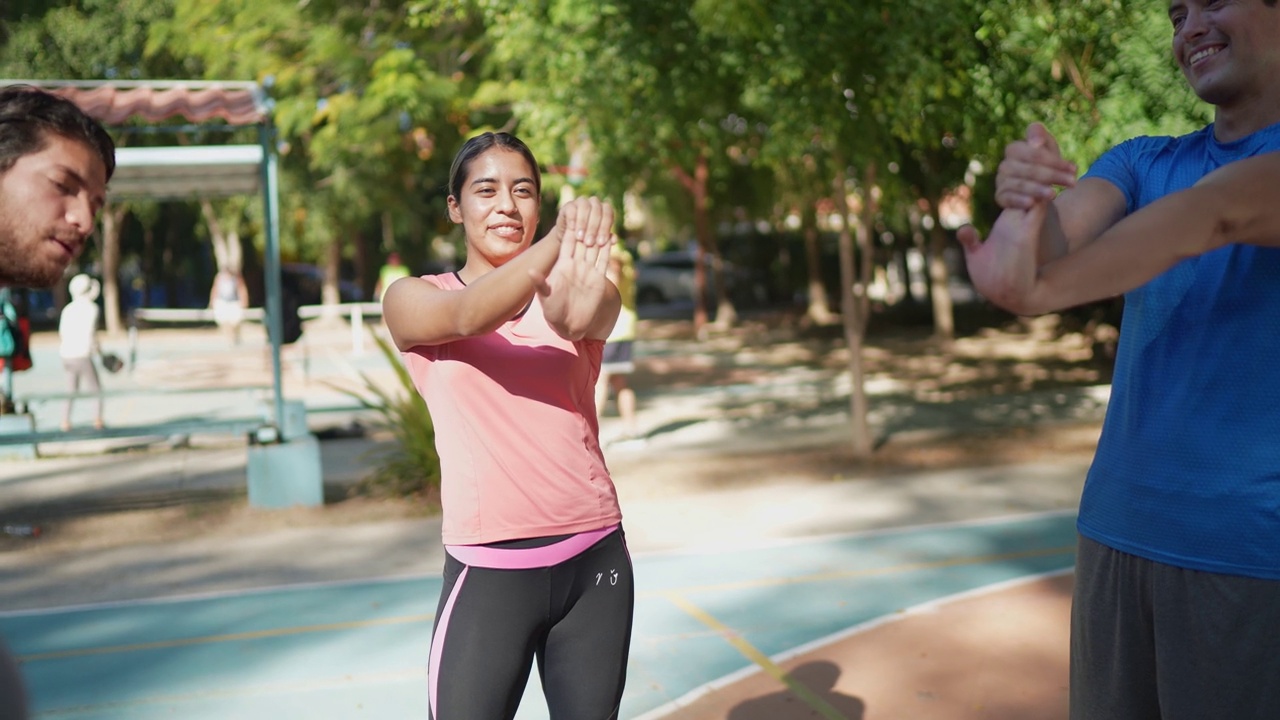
286 474
19 424
295 417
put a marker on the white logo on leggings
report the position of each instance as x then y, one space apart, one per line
613 577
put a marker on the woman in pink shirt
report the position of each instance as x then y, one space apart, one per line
506 352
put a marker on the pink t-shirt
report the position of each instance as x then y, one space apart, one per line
516 430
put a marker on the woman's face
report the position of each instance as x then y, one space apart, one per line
499 205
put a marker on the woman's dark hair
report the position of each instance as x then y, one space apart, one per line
28 115
477 146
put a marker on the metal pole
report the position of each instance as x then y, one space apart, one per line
274 309
357 331
6 392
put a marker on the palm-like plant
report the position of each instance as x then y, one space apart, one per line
412 467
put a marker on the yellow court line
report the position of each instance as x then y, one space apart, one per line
822 707
867 572
232 637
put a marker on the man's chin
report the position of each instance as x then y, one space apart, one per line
1212 90
42 275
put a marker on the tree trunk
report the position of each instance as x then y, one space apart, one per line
818 311
866 241
112 222
853 303
148 261
944 324
224 255
702 231
696 184
361 267
329 295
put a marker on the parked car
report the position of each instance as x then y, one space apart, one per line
664 278
307 282
667 278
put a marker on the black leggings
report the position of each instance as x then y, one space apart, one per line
502 606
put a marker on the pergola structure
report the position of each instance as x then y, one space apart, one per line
193 171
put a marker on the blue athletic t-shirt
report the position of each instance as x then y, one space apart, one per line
1187 470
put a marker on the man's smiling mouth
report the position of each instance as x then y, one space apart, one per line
1199 55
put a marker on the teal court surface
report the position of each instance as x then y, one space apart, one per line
359 649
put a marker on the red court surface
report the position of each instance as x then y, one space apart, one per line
996 654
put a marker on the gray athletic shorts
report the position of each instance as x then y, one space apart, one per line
617 357
13 693
79 369
1151 641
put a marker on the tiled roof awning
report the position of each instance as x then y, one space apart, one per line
176 173
236 103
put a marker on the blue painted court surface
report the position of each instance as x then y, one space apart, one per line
358 650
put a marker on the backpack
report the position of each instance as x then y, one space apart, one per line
13 342
290 321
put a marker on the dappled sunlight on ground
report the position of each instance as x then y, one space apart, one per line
1023 356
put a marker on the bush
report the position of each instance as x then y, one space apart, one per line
412 468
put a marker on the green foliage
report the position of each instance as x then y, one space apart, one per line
1094 72
371 98
653 89
364 96
84 40
412 468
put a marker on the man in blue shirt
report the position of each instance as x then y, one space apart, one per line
1177 604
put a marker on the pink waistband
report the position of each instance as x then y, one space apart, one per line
527 558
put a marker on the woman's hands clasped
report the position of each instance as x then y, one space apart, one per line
575 292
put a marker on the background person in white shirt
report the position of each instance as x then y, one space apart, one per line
229 298
78 333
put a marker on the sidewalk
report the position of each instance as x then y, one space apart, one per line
180 375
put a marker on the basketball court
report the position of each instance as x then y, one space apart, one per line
947 620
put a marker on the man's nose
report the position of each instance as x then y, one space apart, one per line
81 214
1193 25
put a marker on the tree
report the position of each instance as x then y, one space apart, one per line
815 63
654 91
363 92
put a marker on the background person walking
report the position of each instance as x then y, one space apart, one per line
78 345
229 298
390 272
618 362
